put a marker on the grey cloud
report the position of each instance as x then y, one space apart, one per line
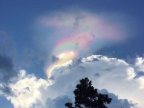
139 74
59 102
7 72
6 69
117 102
5 89
5 63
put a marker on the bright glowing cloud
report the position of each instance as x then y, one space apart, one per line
76 34
65 44
74 42
80 32
27 91
115 75
64 59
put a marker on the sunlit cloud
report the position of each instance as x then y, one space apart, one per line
113 74
80 32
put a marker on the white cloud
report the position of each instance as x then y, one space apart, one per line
140 63
28 91
115 75
131 73
139 71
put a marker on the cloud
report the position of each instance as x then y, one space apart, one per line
58 102
28 91
115 75
116 102
82 32
66 28
121 73
7 73
82 21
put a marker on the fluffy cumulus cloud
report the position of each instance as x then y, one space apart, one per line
27 91
121 80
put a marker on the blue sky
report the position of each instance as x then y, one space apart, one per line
17 16
29 45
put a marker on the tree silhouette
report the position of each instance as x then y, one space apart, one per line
86 96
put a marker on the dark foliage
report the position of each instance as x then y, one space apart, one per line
86 96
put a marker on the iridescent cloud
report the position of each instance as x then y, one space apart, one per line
79 32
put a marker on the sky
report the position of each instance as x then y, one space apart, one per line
47 46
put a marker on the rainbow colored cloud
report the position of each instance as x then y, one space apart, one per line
79 32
